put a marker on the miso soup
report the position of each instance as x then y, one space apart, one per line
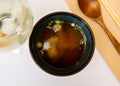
61 44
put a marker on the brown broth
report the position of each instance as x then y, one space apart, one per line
61 44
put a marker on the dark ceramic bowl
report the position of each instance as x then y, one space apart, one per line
88 48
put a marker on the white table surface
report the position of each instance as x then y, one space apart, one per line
17 67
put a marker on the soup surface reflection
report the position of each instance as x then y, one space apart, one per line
61 44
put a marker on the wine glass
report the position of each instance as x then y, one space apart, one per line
16 22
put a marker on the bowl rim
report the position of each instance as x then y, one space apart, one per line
55 71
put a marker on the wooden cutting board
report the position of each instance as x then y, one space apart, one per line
103 44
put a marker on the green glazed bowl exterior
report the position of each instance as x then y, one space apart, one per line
70 17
